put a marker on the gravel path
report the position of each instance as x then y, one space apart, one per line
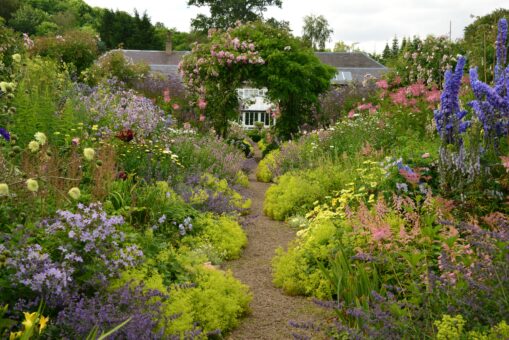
271 310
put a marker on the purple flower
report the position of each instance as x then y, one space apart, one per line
107 309
5 134
501 45
449 118
492 103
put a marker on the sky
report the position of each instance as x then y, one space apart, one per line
370 24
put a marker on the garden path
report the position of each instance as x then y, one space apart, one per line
271 309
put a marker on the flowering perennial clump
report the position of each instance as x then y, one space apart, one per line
87 239
117 109
449 118
492 103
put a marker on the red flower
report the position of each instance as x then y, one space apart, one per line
125 135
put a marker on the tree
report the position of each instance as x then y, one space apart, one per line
265 56
386 54
403 44
26 19
395 48
316 31
225 13
341 46
478 38
121 29
8 8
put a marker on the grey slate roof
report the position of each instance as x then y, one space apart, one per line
357 63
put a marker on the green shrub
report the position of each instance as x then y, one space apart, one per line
452 328
222 233
74 47
297 270
215 300
38 103
114 65
263 172
296 192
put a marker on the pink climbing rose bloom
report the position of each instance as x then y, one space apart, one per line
166 96
202 103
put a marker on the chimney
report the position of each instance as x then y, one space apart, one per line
169 42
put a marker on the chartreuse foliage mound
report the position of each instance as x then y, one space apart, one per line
214 301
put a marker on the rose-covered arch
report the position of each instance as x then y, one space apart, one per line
260 54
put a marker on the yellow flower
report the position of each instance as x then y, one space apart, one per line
75 193
95 127
29 320
34 146
41 138
32 185
89 154
16 57
43 321
15 335
4 189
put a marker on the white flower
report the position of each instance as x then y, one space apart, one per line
75 193
89 154
32 185
41 138
34 146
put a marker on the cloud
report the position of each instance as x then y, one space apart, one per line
371 23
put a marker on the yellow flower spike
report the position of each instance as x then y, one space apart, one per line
43 321
30 319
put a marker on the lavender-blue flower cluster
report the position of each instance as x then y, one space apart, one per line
78 244
117 109
108 309
449 118
492 102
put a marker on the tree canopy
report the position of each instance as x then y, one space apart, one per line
120 28
225 13
316 31
264 56
478 39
